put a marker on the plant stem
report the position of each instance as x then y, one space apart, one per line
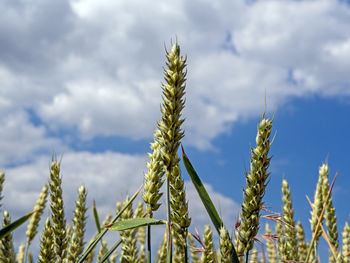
149 242
170 252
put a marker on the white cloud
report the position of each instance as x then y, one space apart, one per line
100 71
21 140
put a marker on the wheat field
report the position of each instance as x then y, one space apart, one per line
281 239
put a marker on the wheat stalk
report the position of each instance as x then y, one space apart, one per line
76 246
179 214
291 244
255 188
39 207
57 212
170 123
2 179
330 217
316 211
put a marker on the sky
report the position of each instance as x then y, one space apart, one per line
83 79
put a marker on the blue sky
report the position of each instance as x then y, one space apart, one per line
83 78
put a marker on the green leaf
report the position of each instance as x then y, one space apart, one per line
9 228
134 223
203 194
208 204
104 231
109 252
96 218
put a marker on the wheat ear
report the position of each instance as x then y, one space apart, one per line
271 250
256 182
254 256
77 242
193 252
329 214
39 207
179 214
57 212
129 250
346 243
209 254
7 252
225 246
46 244
162 250
281 242
141 234
302 245
20 253
291 242
316 211
170 123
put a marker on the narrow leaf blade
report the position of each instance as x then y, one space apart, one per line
96 218
206 200
134 223
109 252
203 194
9 228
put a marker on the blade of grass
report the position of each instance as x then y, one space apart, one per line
97 222
203 194
206 200
96 217
109 252
319 219
134 223
9 228
104 231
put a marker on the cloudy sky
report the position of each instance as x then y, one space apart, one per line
82 78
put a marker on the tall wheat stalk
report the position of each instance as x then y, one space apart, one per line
57 213
170 127
256 182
